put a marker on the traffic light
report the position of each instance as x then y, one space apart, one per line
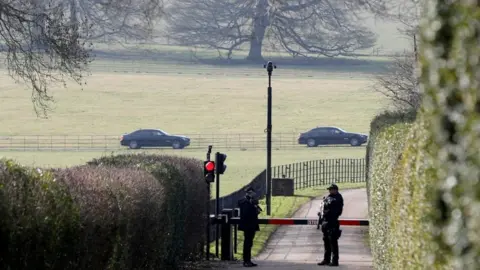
209 171
220 166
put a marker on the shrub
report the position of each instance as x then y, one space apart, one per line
104 217
450 74
386 151
185 200
377 125
39 222
433 192
121 221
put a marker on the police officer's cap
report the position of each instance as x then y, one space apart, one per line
333 186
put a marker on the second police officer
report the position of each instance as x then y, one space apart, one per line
332 209
249 210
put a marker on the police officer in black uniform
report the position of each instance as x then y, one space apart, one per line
249 210
332 209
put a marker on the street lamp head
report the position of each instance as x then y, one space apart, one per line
269 66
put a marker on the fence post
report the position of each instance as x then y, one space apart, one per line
280 142
253 142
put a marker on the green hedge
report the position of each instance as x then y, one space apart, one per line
119 212
425 197
377 125
120 216
39 222
451 76
186 200
386 151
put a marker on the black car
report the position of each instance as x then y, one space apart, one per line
331 135
153 138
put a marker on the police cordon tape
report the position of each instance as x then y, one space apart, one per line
289 221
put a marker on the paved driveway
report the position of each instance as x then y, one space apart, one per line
301 247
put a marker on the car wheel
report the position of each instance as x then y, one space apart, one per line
354 142
133 145
177 145
311 143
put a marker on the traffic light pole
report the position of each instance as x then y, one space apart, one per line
270 66
207 244
217 203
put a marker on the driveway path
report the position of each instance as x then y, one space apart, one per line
301 247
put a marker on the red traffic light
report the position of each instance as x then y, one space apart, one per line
210 166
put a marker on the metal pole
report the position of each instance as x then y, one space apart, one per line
270 66
217 204
208 223
207 245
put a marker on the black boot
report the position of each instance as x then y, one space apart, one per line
333 264
324 262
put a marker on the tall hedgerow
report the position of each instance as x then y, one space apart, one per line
39 221
433 218
185 201
450 57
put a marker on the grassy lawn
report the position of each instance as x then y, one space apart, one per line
112 104
282 207
243 166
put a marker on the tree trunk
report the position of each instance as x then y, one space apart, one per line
260 24
255 53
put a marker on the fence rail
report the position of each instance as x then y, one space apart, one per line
322 172
243 141
305 175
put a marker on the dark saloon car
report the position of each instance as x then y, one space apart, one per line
153 138
331 135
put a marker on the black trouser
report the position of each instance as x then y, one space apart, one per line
330 241
248 236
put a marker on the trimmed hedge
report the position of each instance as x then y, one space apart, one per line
453 137
386 151
377 125
186 200
120 217
119 212
39 222
428 193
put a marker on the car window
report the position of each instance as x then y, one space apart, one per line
334 131
141 133
318 131
157 133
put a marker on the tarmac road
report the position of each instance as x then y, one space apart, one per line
301 247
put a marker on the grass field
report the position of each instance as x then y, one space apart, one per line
243 166
113 104
193 99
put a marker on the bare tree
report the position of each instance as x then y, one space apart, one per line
400 83
116 19
45 41
301 27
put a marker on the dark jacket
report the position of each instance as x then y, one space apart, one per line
248 215
332 207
